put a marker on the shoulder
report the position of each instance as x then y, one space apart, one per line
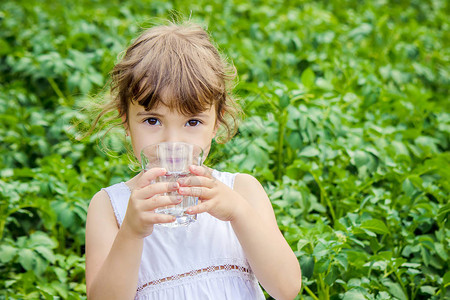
100 198
100 208
243 182
239 182
251 189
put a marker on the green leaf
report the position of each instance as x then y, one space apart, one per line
446 278
332 275
354 294
408 187
441 251
400 148
342 260
322 265
27 258
61 274
309 151
411 265
308 78
358 91
427 289
284 101
302 243
425 255
307 265
7 253
46 253
361 158
396 290
362 30
375 226
60 288
40 238
282 203
443 213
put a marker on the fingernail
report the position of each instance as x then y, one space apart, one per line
182 190
182 181
173 185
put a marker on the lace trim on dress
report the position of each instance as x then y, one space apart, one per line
240 271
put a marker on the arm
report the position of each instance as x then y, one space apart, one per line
250 212
274 263
113 255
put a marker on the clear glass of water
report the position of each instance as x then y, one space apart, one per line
175 157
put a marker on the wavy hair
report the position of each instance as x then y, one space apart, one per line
178 66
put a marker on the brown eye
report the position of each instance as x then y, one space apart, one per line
152 121
193 123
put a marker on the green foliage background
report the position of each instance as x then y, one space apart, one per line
347 128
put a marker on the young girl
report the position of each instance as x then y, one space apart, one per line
172 85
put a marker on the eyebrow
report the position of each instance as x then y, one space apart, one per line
200 115
150 113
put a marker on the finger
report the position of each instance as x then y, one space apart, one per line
161 201
156 188
155 218
201 171
199 208
148 176
196 181
196 191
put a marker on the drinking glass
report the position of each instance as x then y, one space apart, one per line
175 157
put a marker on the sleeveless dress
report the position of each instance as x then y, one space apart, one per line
201 261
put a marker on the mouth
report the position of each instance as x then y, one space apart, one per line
174 160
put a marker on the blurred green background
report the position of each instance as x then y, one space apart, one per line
347 127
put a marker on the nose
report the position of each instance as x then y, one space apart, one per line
173 135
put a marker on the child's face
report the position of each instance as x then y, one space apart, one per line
163 125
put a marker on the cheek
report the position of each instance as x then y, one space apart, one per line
208 137
206 148
138 143
136 149
207 142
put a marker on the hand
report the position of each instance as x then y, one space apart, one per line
216 198
145 198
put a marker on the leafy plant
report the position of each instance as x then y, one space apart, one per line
347 128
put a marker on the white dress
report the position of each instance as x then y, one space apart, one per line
201 261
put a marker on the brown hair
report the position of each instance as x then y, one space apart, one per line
175 65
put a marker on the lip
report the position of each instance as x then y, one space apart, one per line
172 160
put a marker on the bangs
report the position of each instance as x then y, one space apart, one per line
179 74
183 99
176 66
